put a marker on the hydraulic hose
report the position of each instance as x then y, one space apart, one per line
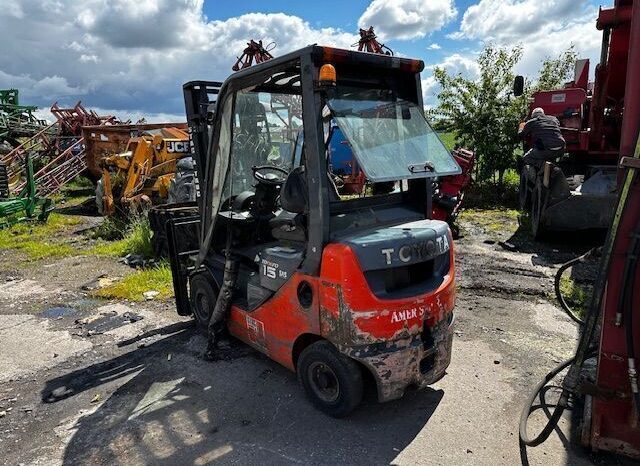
626 304
589 326
557 412
563 303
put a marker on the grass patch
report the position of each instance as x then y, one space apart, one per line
38 250
133 286
489 195
108 248
577 295
499 220
37 239
122 239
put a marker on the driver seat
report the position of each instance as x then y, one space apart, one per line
289 224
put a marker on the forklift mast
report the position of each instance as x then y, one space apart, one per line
200 102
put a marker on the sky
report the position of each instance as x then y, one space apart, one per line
130 58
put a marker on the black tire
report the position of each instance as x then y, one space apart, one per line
537 225
331 381
203 294
523 191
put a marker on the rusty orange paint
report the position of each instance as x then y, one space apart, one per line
344 311
283 319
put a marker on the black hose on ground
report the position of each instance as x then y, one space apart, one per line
585 346
563 403
563 303
557 413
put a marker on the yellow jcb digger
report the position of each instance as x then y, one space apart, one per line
142 174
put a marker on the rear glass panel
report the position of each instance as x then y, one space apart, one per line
390 137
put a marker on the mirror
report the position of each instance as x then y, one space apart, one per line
518 86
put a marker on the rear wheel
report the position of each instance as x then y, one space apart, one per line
537 205
331 381
523 191
203 299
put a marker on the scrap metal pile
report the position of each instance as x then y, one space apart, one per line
57 150
38 158
16 120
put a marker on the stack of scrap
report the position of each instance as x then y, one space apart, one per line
57 150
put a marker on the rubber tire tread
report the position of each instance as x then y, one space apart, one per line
202 281
346 369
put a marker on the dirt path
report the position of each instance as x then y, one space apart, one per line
97 382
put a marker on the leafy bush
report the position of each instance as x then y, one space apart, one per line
124 236
138 237
484 114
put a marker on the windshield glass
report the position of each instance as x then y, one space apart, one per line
389 136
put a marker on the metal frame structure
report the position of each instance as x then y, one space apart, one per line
308 60
61 144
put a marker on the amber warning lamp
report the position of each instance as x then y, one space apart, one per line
327 75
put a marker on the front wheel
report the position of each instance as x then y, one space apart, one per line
203 299
331 381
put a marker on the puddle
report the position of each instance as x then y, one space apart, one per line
85 304
56 312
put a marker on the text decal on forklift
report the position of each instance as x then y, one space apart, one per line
417 251
408 314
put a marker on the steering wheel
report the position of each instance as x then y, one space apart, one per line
264 174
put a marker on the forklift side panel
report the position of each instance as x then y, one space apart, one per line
274 327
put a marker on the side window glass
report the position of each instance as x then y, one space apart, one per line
222 158
265 129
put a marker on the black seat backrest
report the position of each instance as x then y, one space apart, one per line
294 194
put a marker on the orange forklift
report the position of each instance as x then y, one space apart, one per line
332 287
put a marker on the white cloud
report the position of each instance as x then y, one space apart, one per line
407 19
464 65
509 19
134 55
544 28
434 46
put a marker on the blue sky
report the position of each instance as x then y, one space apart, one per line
343 15
130 57
339 14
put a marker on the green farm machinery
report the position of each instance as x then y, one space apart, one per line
17 121
27 205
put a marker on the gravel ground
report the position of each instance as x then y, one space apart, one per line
96 382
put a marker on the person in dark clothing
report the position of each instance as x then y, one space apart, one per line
548 143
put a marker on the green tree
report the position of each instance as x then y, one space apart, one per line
556 71
481 112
